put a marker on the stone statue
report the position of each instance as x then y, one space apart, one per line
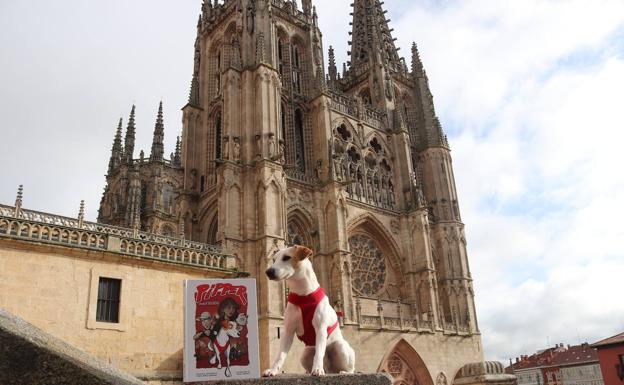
236 149
272 153
226 147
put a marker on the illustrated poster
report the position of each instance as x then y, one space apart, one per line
220 330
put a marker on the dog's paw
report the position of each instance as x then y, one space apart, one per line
318 372
270 373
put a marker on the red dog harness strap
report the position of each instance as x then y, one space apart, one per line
223 348
308 304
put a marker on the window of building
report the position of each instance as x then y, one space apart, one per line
218 138
299 144
218 74
280 57
621 357
109 290
295 70
283 123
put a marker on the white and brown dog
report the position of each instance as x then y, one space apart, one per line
310 316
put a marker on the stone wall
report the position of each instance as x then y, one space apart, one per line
55 289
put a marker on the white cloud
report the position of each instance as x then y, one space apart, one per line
531 92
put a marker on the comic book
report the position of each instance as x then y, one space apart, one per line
220 330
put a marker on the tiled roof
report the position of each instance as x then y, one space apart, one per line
542 358
616 339
578 354
558 356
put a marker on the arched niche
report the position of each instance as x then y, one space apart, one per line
299 229
405 365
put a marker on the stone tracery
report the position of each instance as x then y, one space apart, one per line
368 265
368 172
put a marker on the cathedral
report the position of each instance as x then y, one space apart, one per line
280 145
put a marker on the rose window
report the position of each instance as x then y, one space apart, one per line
368 265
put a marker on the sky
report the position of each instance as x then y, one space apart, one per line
530 93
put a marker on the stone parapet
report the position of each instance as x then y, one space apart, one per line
334 379
40 227
30 356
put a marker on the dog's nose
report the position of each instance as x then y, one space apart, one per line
270 273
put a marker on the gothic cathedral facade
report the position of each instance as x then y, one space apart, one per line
278 149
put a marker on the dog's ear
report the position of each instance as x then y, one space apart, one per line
302 252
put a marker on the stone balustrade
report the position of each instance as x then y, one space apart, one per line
396 315
55 229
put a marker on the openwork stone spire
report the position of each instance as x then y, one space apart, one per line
18 201
371 37
81 214
130 137
117 151
177 156
159 137
333 71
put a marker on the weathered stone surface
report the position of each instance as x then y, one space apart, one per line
30 356
334 379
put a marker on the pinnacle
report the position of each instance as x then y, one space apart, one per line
159 133
130 138
417 66
372 38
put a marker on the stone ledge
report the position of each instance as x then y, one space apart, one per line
30 356
332 379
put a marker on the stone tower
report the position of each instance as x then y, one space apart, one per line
140 193
354 164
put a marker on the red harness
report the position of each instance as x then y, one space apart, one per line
220 348
308 304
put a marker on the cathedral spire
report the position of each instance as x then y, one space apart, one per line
418 70
371 37
159 136
194 94
333 71
117 150
435 136
130 137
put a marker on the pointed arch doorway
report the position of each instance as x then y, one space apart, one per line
404 364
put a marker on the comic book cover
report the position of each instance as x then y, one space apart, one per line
221 330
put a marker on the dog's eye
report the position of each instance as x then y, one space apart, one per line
286 258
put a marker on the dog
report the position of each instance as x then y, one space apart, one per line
221 345
309 315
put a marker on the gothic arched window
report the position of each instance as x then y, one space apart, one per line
296 73
218 74
294 235
299 143
218 138
280 57
283 122
212 230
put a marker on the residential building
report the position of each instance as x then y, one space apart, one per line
611 356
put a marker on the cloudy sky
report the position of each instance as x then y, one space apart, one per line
531 93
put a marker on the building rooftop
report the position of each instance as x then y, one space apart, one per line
616 339
579 354
559 355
